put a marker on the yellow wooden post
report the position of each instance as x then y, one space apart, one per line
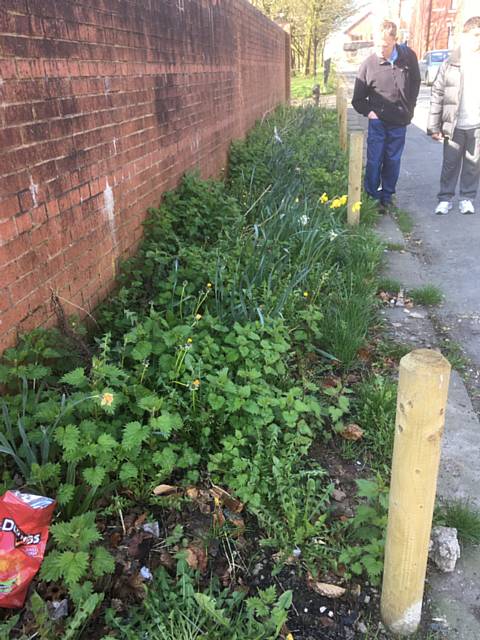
355 163
421 405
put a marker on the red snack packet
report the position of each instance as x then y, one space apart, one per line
24 521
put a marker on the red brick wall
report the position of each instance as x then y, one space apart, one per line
104 104
431 22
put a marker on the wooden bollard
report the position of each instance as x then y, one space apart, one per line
421 405
355 163
339 97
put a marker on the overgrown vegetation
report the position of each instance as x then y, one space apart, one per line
201 397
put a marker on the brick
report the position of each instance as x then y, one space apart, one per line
8 231
52 208
9 207
26 200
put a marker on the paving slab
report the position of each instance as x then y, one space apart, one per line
445 257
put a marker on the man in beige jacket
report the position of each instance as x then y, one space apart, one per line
455 119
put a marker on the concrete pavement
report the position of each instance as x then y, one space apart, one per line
444 252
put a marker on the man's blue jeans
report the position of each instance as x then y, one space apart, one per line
385 144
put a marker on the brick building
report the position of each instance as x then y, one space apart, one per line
433 25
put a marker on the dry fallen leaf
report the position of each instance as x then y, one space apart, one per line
326 589
229 501
165 490
352 432
197 558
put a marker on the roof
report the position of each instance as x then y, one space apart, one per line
355 24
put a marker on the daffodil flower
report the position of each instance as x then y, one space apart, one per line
356 207
198 316
304 220
323 198
305 294
336 203
343 200
195 385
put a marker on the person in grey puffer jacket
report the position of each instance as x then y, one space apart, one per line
455 118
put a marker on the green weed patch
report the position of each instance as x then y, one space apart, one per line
201 378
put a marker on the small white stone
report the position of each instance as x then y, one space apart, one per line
323 609
330 614
146 573
305 610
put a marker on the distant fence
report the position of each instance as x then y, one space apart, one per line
104 104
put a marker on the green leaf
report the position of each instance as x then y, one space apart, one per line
79 593
142 351
134 434
107 442
69 438
51 569
77 534
94 476
209 605
103 562
128 471
76 378
166 423
215 401
73 566
65 494
150 403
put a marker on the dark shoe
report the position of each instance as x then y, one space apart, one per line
385 207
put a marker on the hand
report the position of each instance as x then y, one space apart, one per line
437 136
372 116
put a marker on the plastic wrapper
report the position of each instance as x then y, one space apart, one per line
24 522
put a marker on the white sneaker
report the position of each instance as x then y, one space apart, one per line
443 208
466 206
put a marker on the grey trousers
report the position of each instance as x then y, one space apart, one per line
461 157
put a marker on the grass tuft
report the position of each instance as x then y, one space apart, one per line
429 295
389 284
463 517
404 221
394 246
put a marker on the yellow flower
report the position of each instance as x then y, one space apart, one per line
198 316
356 207
106 399
343 199
336 202
209 285
323 198
305 294
195 384
290 637
189 341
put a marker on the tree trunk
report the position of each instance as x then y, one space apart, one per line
308 56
